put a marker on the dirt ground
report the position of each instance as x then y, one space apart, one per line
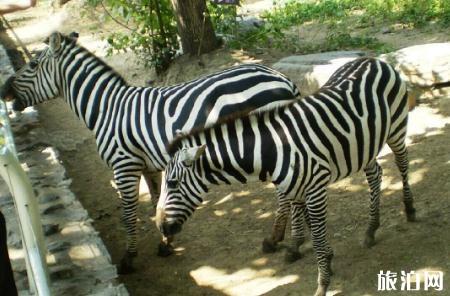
219 250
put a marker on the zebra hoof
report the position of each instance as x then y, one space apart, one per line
369 242
321 291
154 202
268 246
165 250
411 216
126 264
292 256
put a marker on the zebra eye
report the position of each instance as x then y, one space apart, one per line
33 64
172 184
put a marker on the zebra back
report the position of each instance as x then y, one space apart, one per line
136 123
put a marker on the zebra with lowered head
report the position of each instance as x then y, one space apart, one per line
301 148
133 125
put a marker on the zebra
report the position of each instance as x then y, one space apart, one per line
133 125
301 148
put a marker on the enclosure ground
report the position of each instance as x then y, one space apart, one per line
218 252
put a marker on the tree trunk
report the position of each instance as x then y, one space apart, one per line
59 3
194 26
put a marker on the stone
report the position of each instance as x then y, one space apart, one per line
386 30
6 200
61 272
52 209
249 23
422 65
50 229
17 244
58 246
48 197
310 72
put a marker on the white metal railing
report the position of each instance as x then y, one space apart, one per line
26 207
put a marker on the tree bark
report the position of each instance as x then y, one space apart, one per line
194 26
59 3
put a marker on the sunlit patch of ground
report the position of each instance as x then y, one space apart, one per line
253 282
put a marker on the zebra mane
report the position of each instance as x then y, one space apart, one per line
177 142
69 40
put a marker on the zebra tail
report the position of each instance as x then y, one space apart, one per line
440 85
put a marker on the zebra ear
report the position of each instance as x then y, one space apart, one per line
74 36
190 155
54 42
179 133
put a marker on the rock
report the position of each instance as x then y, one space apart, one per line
61 272
58 246
249 23
6 200
52 209
310 72
48 197
422 65
386 30
50 229
16 244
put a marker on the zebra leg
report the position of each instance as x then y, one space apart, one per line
374 173
316 205
153 180
401 159
297 232
128 185
165 247
279 225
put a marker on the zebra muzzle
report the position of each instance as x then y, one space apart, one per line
18 105
6 91
169 229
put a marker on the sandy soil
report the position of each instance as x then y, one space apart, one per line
219 253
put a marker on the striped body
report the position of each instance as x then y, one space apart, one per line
133 125
301 148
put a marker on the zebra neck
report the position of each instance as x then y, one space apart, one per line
215 168
240 151
91 87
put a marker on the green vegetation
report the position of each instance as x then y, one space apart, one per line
150 29
404 11
341 17
348 24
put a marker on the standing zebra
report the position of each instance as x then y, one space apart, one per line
301 148
133 125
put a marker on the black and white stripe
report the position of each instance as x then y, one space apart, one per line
133 125
301 148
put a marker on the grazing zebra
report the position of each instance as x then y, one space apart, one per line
133 125
301 148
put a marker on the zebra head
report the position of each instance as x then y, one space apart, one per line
38 80
181 190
